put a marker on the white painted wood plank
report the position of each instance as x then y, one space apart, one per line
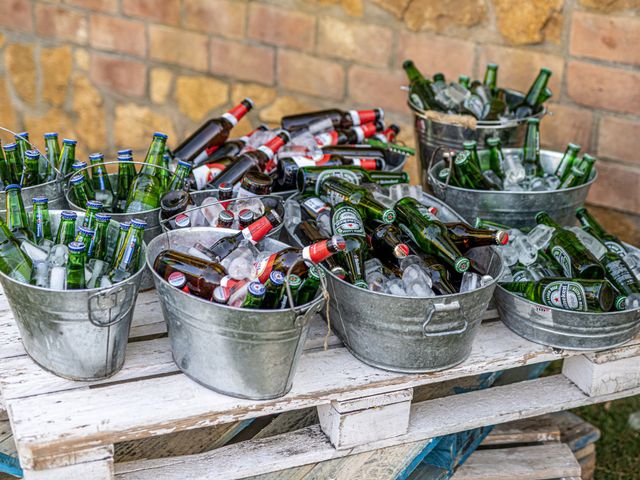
95 463
601 378
537 462
160 405
429 419
528 430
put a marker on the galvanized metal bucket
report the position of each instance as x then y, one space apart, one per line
432 134
240 352
515 209
412 334
75 334
565 329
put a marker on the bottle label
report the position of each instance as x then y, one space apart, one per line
360 134
565 295
359 117
316 205
257 230
267 151
620 273
205 173
326 139
264 267
562 257
39 224
316 252
236 113
367 164
230 118
521 276
615 247
346 221
347 175
303 161
426 212
130 249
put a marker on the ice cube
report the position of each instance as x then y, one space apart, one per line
211 208
58 256
537 184
633 301
540 235
40 274
509 255
47 245
394 287
35 253
105 282
250 203
470 281
98 269
292 214
552 182
486 280
372 266
590 242
58 278
514 171
416 282
241 265
527 252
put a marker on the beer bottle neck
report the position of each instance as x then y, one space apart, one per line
233 116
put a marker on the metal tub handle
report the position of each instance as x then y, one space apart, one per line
443 307
107 300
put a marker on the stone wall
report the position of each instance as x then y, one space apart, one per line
110 72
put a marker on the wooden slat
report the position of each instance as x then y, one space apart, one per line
537 462
155 406
529 430
429 419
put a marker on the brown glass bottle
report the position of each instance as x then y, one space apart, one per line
258 159
339 118
230 148
202 276
308 233
388 245
172 204
466 237
214 131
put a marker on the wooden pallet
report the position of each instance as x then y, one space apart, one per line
66 429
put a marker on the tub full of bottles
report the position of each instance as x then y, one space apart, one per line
22 163
238 303
509 186
410 289
71 280
569 287
448 114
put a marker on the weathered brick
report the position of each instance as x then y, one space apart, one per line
378 88
16 15
363 43
118 34
21 66
160 84
172 45
519 68
110 6
260 95
605 37
134 125
243 62
435 53
198 95
88 107
123 76
278 26
616 187
7 110
164 11
222 17
58 22
523 22
56 64
566 125
284 105
604 87
442 15
307 74
619 138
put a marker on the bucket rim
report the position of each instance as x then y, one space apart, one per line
298 309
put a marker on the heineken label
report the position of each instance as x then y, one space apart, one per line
620 274
348 175
328 138
315 205
615 247
562 257
521 276
565 295
346 221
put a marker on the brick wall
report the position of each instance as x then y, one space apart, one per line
109 72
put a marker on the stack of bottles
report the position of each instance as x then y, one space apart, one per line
395 244
581 269
76 256
21 164
240 270
483 100
520 170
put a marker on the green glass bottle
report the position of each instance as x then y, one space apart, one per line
335 190
574 294
75 266
13 261
309 287
537 94
17 220
99 245
164 174
80 190
93 207
567 161
255 295
467 237
574 258
496 157
491 77
128 257
489 225
4 168
619 274
67 229
446 176
347 222
180 176
85 235
586 165
41 223
274 290
588 221
294 282
471 146
126 174
100 182
531 149
469 175
13 173
309 178
22 145
123 229
421 92
465 81
30 175
52 149
146 189
79 167
574 178
429 234
67 156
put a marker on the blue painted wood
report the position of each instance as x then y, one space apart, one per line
404 475
10 465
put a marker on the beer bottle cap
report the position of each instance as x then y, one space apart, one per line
103 217
78 165
51 135
96 156
493 141
76 179
9 147
24 135
184 164
94 204
76 247
69 141
245 216
124 226
221 294
13 186
226 216
257 289
177 279
502 237
33 154
294 280
40 200
276 277
138 223
160 135
462 264
126 151
361 284
67 215
86 231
